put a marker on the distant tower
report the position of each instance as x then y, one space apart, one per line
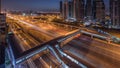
98 10
0 6
2 40
73 9
88 8
70 9
65 9
78 9
115 12
61 8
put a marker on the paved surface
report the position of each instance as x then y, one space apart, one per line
97 54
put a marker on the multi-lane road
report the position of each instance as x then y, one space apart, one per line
95 52
92 52
28 42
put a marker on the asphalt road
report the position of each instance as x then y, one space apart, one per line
98 54
94 53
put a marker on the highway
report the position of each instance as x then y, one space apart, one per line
50 60
27 43
24 40
111 31
92 52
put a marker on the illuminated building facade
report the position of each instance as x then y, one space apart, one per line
73 9
115 12
98 10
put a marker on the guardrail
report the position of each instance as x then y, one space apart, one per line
69 57
94 35
67 37
113 38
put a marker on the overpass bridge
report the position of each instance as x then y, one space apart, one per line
53 46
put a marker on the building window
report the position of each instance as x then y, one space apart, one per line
115 21
115 10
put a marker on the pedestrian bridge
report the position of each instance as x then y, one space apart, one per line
50 45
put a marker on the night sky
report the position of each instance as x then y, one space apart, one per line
32 4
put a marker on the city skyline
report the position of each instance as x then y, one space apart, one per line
59 34
33 5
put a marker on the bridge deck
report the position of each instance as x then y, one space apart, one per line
14 46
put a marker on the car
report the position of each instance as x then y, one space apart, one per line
10 33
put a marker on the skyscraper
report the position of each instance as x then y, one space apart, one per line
88 8
2 19
115 12
70 9
98 10
61 8
65 9
0 6
73 9
2 39
79 9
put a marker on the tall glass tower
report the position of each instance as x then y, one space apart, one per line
88 8
115 12
98 10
